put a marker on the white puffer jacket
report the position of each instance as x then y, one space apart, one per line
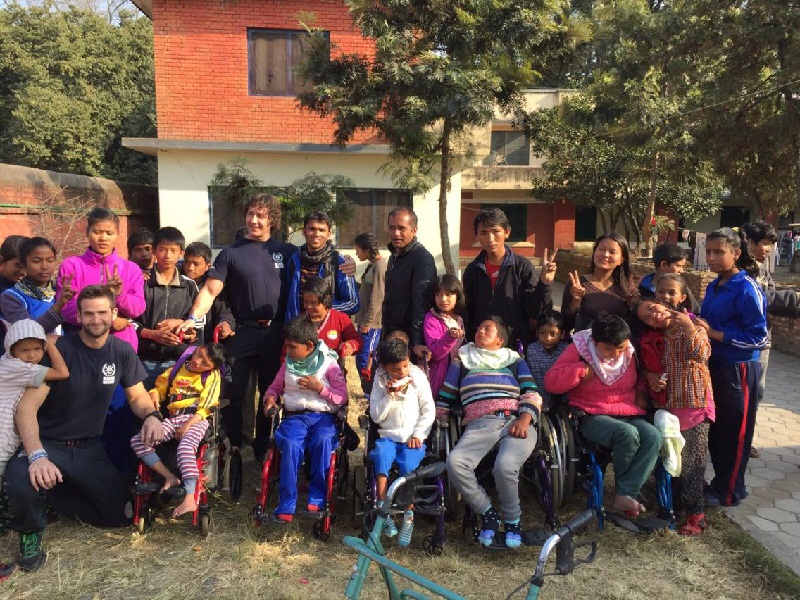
405 414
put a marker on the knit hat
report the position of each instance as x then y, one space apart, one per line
20 330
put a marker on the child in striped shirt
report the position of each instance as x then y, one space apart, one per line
500 405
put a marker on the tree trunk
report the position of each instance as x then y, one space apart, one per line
651 209
603 219
444 187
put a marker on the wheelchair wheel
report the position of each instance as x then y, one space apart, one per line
320 531
141 525
235 474
570 459
205 523
359 496
342 476
550 445
432 546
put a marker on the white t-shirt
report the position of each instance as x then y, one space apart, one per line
15 376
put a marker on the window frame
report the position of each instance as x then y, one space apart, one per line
294 85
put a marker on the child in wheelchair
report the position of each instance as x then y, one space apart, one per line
191 392
312 388
599 374
500 403
401 405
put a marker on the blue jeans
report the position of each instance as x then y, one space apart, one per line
317 431
386 452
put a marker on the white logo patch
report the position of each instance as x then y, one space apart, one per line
277 258
109 371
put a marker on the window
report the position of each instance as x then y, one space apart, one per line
511 148
272 55
517 215
733 216
371 215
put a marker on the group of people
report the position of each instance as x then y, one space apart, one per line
117 346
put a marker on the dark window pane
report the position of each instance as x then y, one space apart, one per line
510 148
733 216
272 56
517 215
371 215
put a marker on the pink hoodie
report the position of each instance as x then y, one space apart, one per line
90 269
593 396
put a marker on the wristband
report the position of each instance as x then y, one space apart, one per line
36 455
192 318
156 413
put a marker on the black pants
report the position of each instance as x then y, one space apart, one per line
259 349
736 394
93 490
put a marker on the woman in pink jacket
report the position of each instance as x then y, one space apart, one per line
598 373
101 264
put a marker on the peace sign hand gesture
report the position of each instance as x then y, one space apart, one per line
114 281
548 273
633 285
576 287
65 294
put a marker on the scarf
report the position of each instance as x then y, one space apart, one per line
311 364
310 263
473 357
396 386
609 371
29 288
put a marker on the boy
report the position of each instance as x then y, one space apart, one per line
191 394
140 250
318 257
196 263
312 389
25 344
498 282
544 352
402 407
501 406
667 258
333 327
168 301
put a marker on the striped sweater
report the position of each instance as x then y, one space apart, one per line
483 391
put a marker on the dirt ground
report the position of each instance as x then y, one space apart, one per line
240 562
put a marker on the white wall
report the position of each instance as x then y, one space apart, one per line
184 176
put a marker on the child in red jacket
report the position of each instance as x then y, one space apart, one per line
333 327
598 373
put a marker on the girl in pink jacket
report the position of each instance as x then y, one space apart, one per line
101 265
443 327
598 373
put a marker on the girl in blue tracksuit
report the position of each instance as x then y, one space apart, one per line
734 315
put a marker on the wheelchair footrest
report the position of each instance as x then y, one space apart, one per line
532 537
639 525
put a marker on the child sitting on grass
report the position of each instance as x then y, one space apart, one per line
191 390
501 407
312 389
402 407
599 375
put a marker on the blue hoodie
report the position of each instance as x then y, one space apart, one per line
738 309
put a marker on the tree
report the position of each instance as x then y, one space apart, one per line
439 68
71 86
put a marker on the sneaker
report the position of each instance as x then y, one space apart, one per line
282 518
7 570
513 534
313 508
32 556
406 529
491 523
389 528
695 525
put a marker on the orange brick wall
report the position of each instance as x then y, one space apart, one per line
202 70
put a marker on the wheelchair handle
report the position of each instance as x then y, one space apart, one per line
272 411
215 335
577 524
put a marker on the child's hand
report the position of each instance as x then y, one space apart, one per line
655 382
519 428
682 318
310 383
66 293
52 338
700 322
347 349
269 405
414 443
456 332
588 374
225 330
181 431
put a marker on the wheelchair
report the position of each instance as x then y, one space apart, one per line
218 470
337 479
431 496
583 466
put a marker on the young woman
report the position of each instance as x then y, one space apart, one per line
370 299
734 316
608 287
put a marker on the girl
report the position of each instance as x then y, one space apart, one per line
675 347
443 327
672 292
101 264
370 297
333 327
608 287
599 375
11 268
34 297
544 352
734 317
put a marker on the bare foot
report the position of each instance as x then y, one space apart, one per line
630 506
188 505
170 482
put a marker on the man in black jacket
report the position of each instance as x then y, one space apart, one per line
410 271
498 282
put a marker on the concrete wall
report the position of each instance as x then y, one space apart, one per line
183 179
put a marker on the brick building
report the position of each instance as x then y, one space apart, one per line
225 89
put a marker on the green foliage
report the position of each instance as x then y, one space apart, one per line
71 86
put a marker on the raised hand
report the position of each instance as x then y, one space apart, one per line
548 272
65 294
633 285
114 281
682 318
576 290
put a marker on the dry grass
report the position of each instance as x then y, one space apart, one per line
240 562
